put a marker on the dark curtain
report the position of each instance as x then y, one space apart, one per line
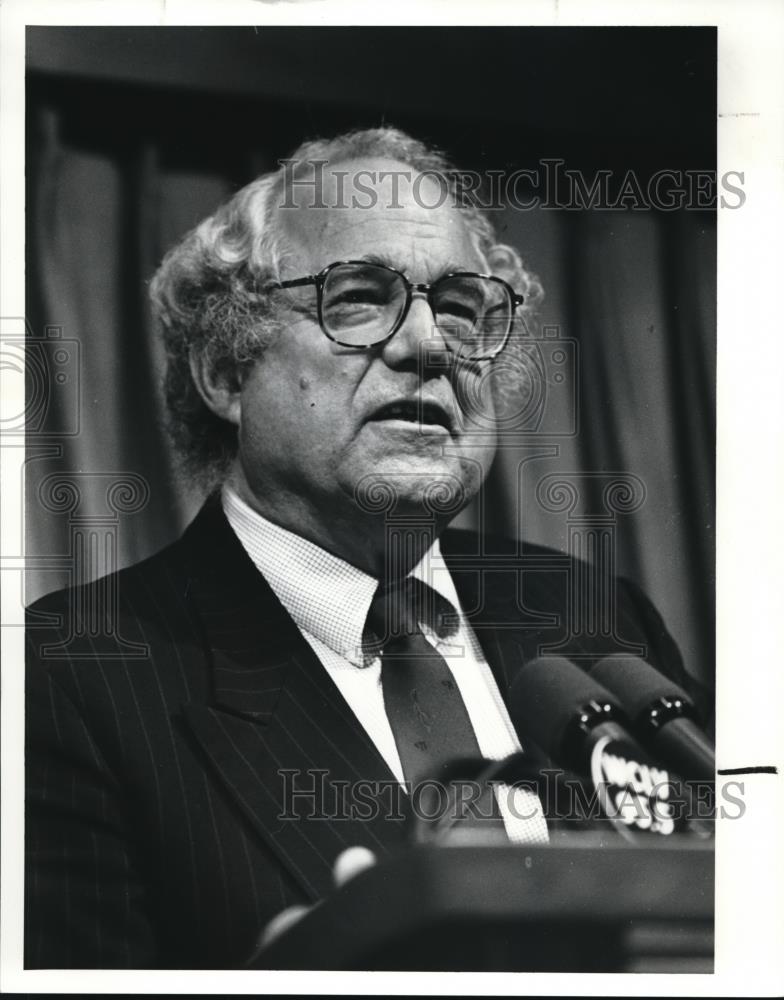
631 294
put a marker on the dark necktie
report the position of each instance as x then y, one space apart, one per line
423 703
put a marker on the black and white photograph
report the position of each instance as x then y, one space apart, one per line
365 594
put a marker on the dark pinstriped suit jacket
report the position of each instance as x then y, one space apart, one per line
154 795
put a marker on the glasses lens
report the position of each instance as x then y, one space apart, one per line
361 303
474 314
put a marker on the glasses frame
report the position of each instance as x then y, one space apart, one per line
411 287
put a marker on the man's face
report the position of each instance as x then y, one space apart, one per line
312 423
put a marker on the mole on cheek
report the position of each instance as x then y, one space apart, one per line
304 384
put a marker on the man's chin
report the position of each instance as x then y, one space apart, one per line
434 487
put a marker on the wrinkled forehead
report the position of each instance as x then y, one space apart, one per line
375 207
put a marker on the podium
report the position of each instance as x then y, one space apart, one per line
576 906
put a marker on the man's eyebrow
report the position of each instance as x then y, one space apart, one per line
386 261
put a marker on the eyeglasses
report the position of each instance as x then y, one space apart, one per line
362 304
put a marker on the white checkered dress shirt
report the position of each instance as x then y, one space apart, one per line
329 601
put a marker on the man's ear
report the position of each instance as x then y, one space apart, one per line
219 386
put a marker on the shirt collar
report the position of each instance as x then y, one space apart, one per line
326 596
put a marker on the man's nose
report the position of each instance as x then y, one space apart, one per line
418 337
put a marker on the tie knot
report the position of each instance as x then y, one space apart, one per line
398 609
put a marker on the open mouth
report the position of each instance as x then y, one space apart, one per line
422 414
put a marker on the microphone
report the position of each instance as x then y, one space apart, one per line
662 713
582 726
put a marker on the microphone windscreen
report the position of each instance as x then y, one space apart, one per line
547 695
636 683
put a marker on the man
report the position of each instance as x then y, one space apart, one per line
330 360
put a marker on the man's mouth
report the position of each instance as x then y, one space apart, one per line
416 412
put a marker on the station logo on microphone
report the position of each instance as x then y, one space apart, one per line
637 795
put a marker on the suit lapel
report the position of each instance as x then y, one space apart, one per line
517 603
515 606
278 734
